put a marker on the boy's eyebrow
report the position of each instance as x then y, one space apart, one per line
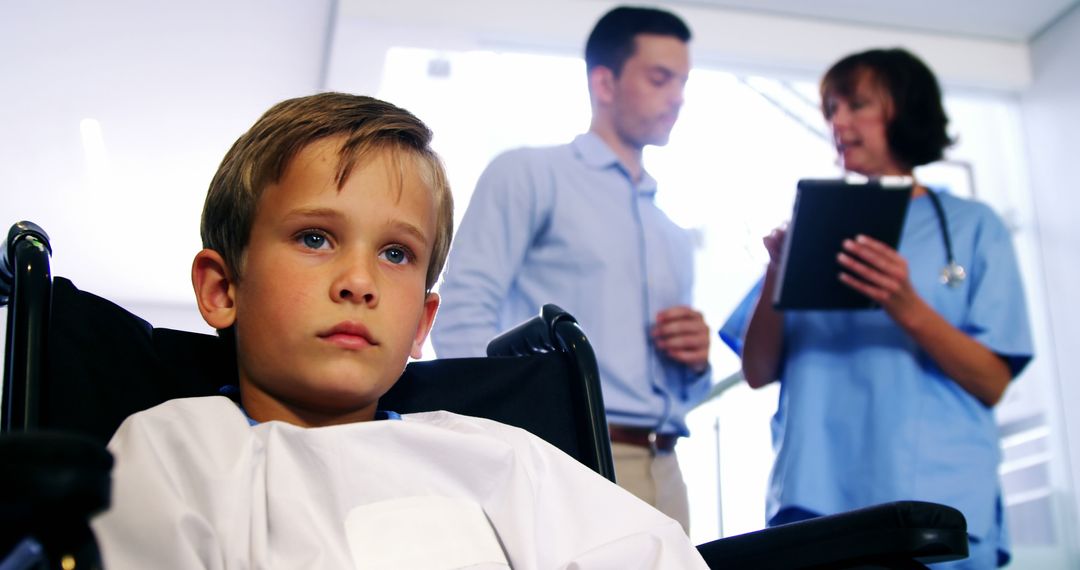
314 213
410 229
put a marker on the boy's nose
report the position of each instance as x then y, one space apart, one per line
355 284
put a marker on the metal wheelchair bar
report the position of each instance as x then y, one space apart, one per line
26 287
580 350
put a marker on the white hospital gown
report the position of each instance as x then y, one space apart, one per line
195 486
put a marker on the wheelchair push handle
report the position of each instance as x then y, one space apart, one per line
26 290
537 335
23 237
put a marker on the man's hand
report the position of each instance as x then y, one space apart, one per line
681 334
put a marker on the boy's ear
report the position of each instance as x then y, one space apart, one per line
215 291
431 305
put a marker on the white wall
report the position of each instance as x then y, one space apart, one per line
1051 112
171 85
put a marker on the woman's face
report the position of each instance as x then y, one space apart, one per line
859 124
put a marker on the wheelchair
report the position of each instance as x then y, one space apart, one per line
76 365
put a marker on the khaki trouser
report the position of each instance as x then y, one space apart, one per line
655 479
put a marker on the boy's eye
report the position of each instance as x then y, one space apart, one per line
313 240
396 255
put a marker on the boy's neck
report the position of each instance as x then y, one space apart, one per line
263 407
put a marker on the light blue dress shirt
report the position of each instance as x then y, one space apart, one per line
567 225
866 417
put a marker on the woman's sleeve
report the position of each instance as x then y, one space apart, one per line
997 311
733 332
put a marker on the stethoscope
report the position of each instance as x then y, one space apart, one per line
953 274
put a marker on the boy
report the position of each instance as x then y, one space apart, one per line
324 230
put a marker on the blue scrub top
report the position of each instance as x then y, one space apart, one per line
867 417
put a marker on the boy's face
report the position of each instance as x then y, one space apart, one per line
331 300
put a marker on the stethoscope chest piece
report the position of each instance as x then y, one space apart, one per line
953 274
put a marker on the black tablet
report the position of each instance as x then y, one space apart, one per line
827 212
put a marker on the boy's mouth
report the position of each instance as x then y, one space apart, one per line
349 335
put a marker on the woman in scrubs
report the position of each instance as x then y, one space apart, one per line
896 403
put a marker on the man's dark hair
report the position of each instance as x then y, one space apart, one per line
611 42
916 134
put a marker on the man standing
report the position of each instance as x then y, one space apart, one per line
576 225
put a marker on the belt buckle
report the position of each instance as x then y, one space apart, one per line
652 443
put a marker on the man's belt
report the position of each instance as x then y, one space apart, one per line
643 437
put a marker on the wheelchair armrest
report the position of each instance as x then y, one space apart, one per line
891 534
50 474
51 485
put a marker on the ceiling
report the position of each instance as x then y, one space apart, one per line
1010 20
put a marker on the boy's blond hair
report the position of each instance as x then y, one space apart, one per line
259 158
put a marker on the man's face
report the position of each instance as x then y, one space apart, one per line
649 91
332 299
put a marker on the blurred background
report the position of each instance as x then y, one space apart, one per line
114 115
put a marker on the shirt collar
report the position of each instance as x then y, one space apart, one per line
595 153
379 415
